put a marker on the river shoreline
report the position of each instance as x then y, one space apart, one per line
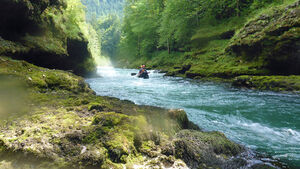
161 91
276 83
66 125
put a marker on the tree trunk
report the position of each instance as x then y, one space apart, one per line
238 7
139 46
168 44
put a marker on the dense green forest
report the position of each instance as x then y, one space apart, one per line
109 29
105 18
98 8
215 38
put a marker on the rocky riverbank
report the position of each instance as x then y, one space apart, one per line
277 83
63 124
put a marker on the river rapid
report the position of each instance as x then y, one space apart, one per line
266 122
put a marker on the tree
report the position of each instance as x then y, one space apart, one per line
108 28
141 25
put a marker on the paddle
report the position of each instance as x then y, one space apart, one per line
133 74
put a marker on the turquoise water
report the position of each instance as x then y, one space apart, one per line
267 122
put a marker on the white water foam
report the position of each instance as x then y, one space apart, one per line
287 135
107 71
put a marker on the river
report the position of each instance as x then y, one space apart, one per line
267 122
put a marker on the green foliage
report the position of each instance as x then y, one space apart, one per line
176 23
175 35
75 10
99 8
109 29
170 24
140 27
105 20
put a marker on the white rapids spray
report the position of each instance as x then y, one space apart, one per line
106 71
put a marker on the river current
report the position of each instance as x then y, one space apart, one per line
267 122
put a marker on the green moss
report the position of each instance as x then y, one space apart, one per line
50 34
95 106
118 131
274 83
9 47
271 37
42 78
221 144
2 146
147 145
110 164
198 148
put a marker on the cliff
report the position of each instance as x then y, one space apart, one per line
46 33
272 38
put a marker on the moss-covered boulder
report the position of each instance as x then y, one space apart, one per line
45 33
272 38
203 149
42 79
274 83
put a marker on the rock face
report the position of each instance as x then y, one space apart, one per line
67 126
272 38
43 33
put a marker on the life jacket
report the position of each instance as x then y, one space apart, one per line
143 73
143 70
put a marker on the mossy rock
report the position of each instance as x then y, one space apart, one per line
204 148
96 106
42 78
44 33
272 37
274 83
2 146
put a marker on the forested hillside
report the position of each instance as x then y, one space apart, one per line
109 29
98 8
215 38
105 16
